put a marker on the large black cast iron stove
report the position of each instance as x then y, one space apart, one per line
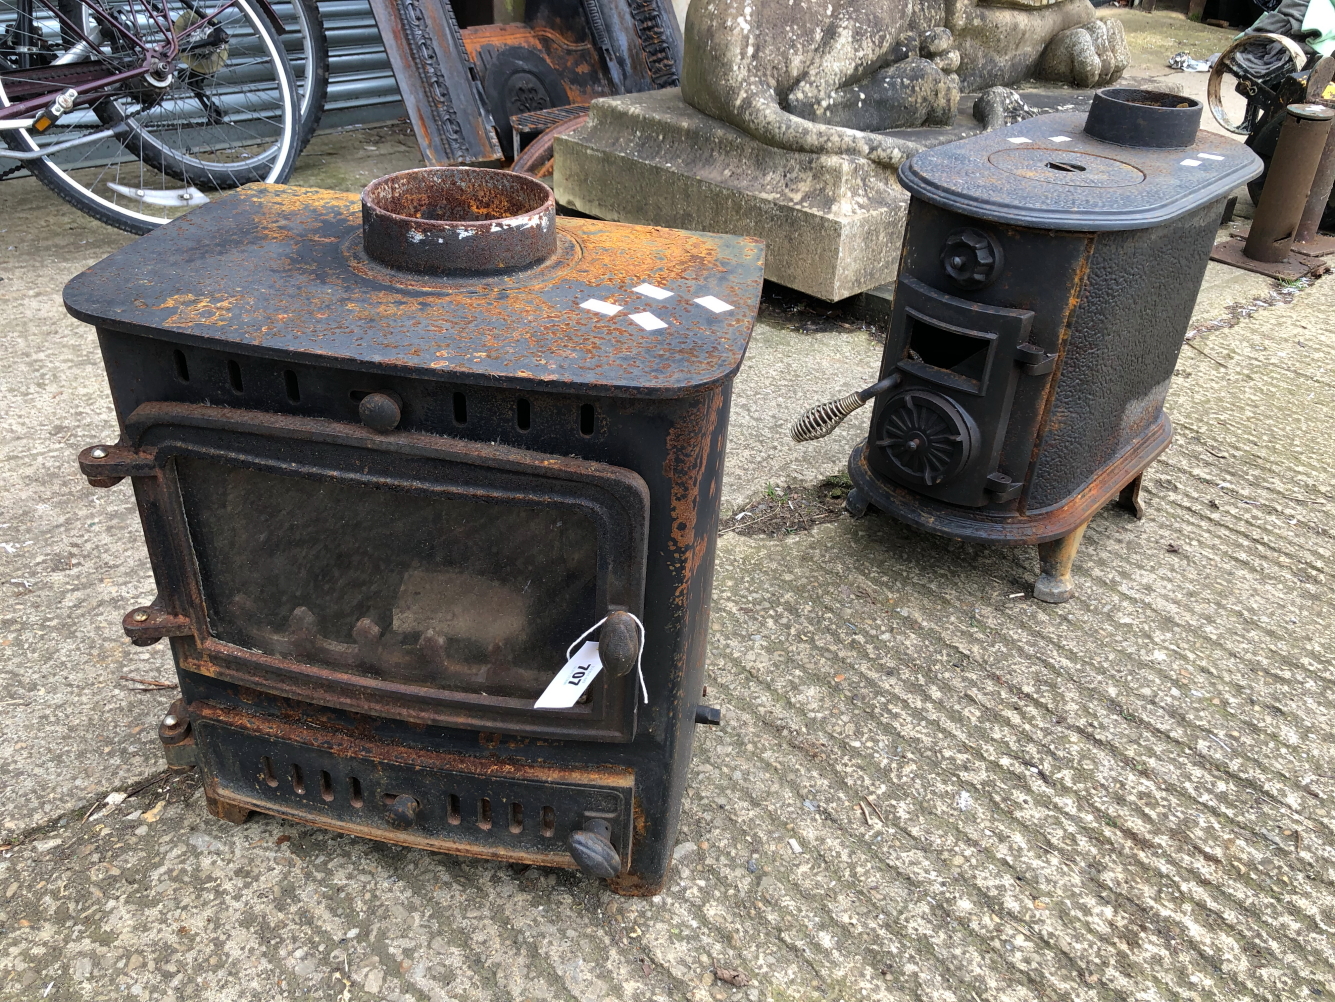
409 471
1048 276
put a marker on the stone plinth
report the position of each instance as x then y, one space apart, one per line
832 225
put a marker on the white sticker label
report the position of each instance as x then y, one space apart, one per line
652 291
1059 139
571 681
713 303
1018 139
598 306
1191 163
1208 156
648 321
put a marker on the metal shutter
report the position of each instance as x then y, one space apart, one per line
361 84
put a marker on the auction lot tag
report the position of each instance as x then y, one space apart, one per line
572 680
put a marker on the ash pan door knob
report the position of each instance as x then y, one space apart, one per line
402 812
379 411
593 850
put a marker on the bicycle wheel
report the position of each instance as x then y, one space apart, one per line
225 114
308 52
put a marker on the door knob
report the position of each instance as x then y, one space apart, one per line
593 850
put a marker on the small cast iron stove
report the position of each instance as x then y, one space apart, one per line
393 459
1048 277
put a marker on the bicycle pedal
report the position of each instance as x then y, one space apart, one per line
63 103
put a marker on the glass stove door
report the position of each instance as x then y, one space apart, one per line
455 594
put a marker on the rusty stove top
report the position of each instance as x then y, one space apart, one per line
280 271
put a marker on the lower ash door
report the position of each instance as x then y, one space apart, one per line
512 815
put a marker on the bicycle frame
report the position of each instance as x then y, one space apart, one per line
93 84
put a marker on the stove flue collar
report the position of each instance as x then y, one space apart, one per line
458 221
1126 116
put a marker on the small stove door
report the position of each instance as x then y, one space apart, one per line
941 430
422 577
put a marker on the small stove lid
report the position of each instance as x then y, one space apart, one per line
274 270
1047 173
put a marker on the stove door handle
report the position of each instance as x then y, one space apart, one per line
619 643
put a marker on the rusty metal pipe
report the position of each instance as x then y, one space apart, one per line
1319 196
458 220
1290 178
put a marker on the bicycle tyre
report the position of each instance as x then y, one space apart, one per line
122 216
313 82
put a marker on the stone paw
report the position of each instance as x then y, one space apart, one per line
1092 55
1000 106
938 45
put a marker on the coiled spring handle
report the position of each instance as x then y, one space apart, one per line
817 422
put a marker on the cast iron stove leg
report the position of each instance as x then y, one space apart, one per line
225 810
1130 498
1054 583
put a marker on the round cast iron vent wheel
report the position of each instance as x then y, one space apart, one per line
927 437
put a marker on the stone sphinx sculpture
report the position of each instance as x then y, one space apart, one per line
816 77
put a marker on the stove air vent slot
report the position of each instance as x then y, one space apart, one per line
958 358
182 368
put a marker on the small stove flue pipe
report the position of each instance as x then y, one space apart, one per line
1288 182
1318 198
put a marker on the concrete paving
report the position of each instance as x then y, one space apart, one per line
1124 797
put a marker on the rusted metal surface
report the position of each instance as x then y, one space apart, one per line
301 663
532 72
178 740
536 160
1288 182
463 86
1055 561
592 386
1008 529
533 122
266 270
1129 498
148 624
447 789
1125 116
1291 267
458 220
445 102
1318 198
